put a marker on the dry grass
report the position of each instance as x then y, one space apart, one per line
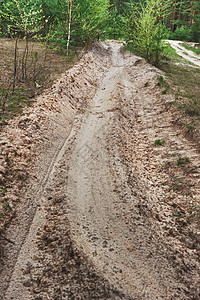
44 65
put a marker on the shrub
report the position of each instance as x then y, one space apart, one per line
148 30
182 33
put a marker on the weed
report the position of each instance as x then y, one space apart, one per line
163 84
160 81
176 214
3 191
164 91
189 127
6 206
159 142
183 160
146 84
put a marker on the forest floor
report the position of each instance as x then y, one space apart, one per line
44 64
102 188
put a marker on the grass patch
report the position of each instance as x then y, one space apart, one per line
189 47
183 161
159 142
189 127
163 84
170 52
185 84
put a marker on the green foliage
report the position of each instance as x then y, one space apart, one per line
23 17
181 33
159 142
35 18
183 160
140 20
185 23
117 24
195 30
148 30
88 18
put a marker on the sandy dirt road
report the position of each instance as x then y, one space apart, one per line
183 52
103 225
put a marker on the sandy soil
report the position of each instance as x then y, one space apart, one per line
96 216
185 53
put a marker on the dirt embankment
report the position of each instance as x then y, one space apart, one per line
110 210
30 145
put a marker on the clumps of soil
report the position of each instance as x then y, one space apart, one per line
159 198
18 151
189 127
64 272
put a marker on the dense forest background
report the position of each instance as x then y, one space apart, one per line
77 22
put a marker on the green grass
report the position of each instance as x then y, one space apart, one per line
170 52
189 127
183 160
185 84
159 142
14 104
195 50
163 84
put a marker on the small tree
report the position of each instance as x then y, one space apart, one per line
87 19
24 19
148 29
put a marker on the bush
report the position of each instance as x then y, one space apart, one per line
148 31
182 33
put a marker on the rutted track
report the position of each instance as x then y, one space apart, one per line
103 228
183 52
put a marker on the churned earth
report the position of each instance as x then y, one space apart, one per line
109 209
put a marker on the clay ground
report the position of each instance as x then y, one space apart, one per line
106 201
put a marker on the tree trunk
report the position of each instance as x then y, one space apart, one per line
15 65
69 25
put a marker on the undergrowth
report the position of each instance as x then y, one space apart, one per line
184 83
22 79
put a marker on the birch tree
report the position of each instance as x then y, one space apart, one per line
69 25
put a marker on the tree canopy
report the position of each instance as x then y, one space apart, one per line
90 20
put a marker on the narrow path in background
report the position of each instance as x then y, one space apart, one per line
180 50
